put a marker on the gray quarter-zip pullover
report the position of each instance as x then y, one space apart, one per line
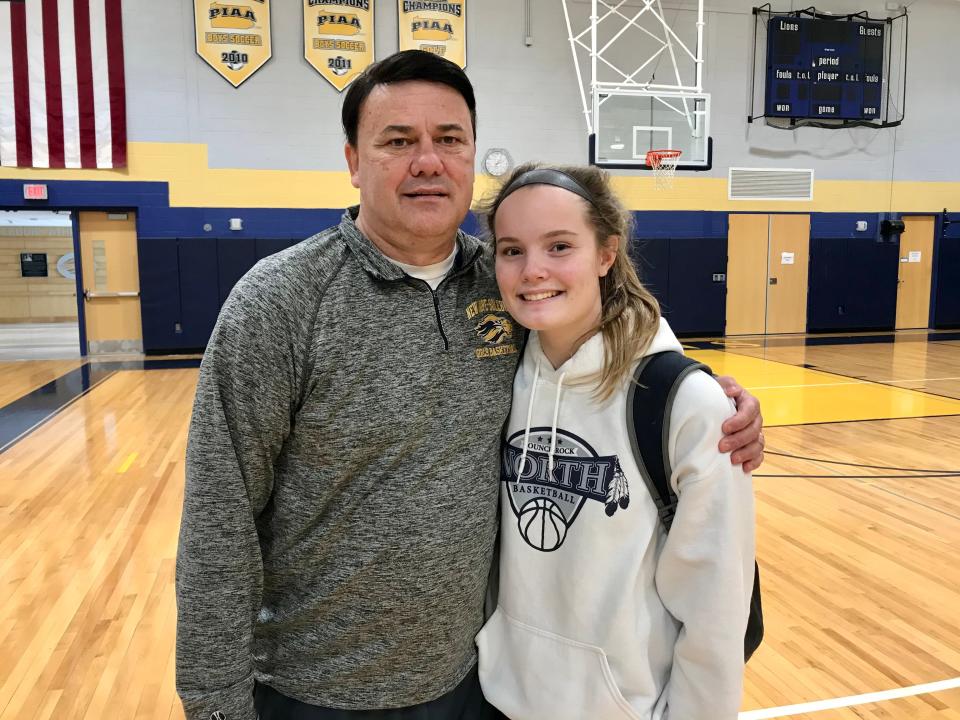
341 494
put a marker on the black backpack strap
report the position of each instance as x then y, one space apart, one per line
754 634
649 402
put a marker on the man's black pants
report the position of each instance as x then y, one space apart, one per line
464 702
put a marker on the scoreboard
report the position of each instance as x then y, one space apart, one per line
822 68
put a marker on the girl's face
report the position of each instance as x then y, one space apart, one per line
549 264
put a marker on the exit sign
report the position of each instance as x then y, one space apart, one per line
34 192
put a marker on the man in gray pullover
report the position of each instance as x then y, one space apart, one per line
340 509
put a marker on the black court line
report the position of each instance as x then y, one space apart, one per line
860 379
765 342
22 416
863 420
931 336
817 368
733 351
850 377
890 384
828 461
914 501
865 480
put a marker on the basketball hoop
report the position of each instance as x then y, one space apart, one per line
664 166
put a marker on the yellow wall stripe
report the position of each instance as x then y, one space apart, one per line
194 184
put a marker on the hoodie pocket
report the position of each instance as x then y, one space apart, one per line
532 674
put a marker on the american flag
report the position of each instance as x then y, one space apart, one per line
62 97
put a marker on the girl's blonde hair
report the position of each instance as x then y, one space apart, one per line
630 315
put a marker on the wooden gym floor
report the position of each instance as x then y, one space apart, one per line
858 530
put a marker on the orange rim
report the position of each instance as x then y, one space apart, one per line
655 157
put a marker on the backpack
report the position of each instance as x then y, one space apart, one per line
649 403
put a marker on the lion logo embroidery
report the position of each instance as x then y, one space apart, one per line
494 329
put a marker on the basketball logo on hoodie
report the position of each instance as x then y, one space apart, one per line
547 503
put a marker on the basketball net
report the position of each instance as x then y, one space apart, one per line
664 166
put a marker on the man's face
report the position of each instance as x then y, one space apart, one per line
413 163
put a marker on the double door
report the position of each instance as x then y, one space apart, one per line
768 260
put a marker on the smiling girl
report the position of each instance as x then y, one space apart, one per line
601 614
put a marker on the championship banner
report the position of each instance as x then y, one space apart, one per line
233 38
437 27
338 38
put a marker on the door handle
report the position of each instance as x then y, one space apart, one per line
773 281
121 294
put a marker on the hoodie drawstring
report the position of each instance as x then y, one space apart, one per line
553 434
526 435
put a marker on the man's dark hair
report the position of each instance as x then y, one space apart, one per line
402 67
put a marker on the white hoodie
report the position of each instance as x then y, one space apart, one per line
601 615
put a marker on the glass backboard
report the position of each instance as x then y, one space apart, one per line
632 122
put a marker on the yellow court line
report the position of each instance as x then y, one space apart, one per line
127 463
793 395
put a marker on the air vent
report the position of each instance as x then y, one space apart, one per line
770 184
